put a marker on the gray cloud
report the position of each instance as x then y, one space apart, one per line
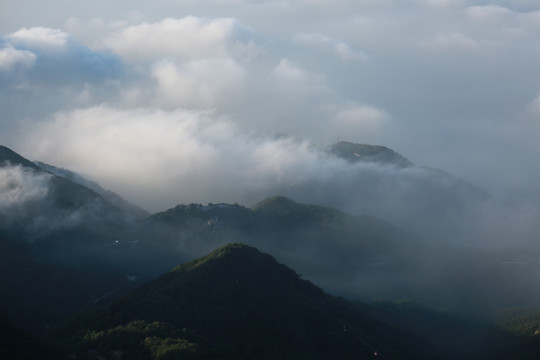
193 99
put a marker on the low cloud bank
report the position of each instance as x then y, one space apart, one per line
174 110
159 159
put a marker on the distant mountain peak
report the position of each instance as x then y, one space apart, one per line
8 156
130 209
276 201
291 213
368 153
235 252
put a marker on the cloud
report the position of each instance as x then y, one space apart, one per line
447 83
336 46
43 70
22 192
39 38
452 41
197 83
184 39
163 158
289 72
360 114
19 185
57 58
160 159
443 3
364 120
487 12
11 58
33 204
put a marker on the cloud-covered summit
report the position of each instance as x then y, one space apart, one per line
194 91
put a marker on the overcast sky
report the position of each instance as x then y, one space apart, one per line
175 101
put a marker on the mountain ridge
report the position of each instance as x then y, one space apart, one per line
354 152
8 156
133 210
237 296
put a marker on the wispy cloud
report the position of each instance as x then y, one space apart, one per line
18 186
11 58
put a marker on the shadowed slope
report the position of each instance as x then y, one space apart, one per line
239 298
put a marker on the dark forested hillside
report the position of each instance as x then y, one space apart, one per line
368 153
239 299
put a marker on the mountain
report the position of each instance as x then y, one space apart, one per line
37 203
115 199
10 157
285 212
381 155
51 226
379 181
63 247
61 220
358 257
297 233
368 153
239 300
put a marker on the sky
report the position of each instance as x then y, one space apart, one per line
170 101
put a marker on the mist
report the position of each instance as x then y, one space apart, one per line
19 187
162 158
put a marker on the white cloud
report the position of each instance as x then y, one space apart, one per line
198 83
360 117
39 37
336 46
11 57
353 121
443 3
160 159
287 71
184 39
488 12
19 186
291 94
295 78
